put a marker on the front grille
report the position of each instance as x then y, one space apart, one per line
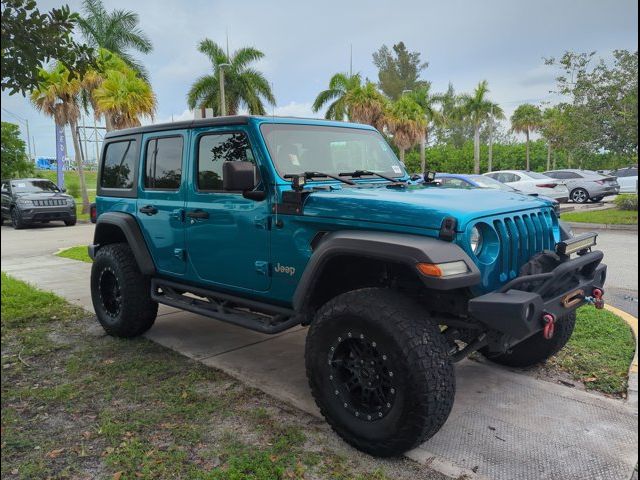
50 202
521 237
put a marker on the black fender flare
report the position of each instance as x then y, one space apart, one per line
396 247
128 225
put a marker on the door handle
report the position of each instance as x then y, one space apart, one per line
199 214
149 210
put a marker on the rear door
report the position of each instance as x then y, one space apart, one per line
227 235
161 199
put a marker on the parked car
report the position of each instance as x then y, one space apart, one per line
36 200
627 178
268 223
532 182
585 185
482 181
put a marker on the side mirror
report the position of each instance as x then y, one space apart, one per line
238 176
241 177
63 190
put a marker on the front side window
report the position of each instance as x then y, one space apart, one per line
118 169
163 166
214 150
296 149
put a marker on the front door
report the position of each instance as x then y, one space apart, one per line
161 199
227 234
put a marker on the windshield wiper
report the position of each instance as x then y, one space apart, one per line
312 175
360 173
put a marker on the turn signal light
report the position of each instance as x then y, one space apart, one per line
442 269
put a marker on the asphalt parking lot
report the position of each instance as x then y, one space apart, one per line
504 425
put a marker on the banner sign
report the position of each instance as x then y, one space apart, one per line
61 154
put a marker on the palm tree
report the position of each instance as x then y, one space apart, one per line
116 31
340 88
244 86
123 97
405 119
477 108
526 119
427 101
58 97
348 97
554 129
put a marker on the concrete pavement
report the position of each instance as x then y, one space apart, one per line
504 425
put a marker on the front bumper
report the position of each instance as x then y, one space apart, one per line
38 214
518 308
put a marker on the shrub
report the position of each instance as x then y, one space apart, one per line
627 201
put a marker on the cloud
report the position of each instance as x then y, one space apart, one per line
295 109
178 117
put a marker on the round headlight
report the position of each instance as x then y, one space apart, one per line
475 240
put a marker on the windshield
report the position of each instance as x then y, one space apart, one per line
296 149
34 186
488 182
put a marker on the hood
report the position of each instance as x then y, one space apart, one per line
42 196
417 206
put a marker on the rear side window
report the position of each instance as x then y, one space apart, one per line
118 169
214 150
163 163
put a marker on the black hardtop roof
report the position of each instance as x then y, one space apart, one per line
201 122
207 122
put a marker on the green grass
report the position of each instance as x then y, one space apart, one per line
599 352
79 253
611 216
79 404
22 304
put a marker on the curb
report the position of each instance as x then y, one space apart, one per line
602 226
632 390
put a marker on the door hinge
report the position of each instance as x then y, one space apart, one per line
178 214
263 223
262 267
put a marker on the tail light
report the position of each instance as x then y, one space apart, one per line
547 185
93 213
599 182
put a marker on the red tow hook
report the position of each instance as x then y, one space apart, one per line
599 301
549 326
596 298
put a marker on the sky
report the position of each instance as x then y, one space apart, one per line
305 43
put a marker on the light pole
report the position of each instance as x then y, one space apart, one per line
490 161
223 102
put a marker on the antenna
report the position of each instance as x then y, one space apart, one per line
351 60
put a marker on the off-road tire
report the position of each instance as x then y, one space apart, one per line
537 349
70 223
132 312
415 356
16 219
579 195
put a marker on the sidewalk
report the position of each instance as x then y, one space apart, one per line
503 426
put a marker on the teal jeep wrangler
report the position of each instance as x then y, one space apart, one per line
270 223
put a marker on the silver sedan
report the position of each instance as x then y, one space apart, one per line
585 185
